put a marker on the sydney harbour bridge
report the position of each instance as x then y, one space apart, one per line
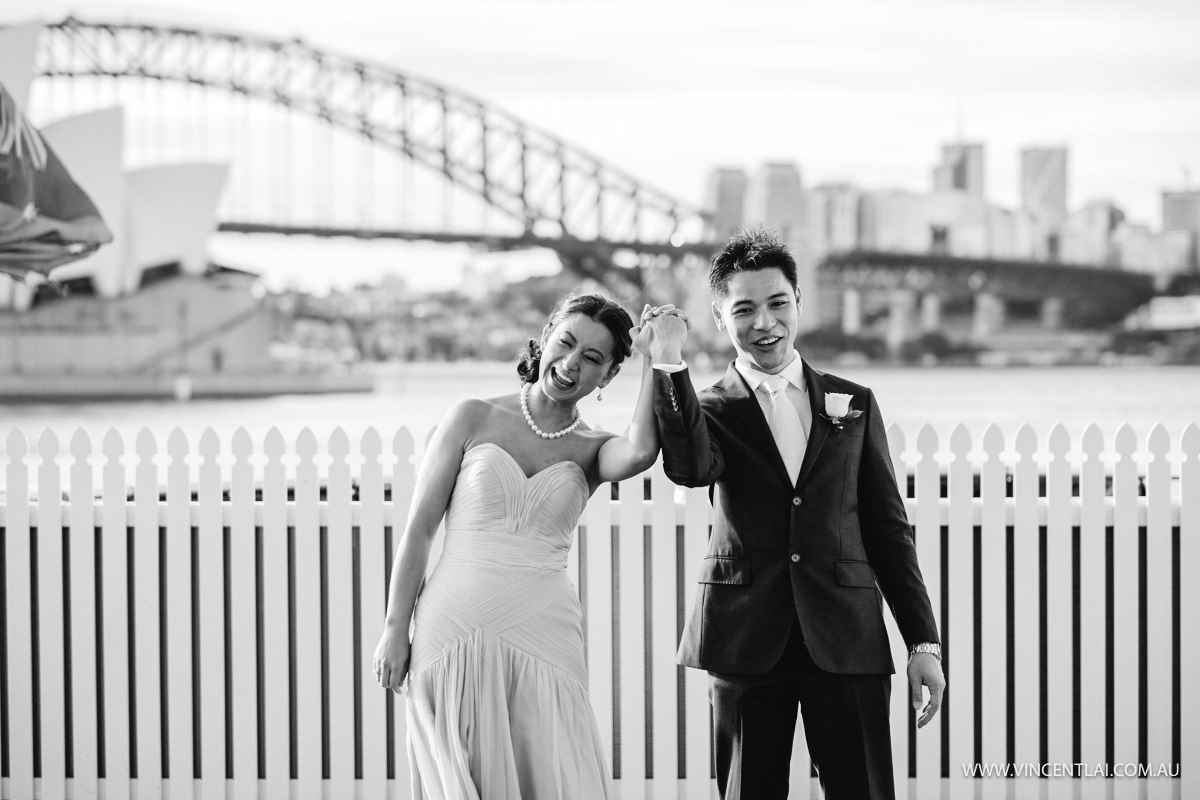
324 144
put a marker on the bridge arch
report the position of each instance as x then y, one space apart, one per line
553 189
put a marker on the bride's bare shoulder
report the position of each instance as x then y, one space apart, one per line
595 435
479 408
500 409
593 439
473 416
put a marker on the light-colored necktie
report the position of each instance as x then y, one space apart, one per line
785 425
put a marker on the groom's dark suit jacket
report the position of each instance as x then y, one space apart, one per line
820 550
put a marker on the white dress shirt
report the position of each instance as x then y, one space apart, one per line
797 392
792 430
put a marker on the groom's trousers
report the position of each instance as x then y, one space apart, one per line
845 721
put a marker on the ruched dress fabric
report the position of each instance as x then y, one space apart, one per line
498 704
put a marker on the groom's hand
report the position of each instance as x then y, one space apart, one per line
924 669
661 334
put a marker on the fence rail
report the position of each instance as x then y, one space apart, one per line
202 624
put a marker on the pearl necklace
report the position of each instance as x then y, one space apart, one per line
575 423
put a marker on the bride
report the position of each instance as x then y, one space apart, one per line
496 676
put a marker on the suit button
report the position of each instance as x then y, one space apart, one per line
795 558
795 501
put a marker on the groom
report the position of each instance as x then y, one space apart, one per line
809 527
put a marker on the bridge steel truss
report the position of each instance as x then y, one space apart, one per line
560 194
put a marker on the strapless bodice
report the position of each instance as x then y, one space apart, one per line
500 515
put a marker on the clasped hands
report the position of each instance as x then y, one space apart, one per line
661 333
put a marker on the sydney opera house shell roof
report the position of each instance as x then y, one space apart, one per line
158 215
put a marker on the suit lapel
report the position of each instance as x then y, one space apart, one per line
745 406
820 426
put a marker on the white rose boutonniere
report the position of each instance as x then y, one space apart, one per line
838 410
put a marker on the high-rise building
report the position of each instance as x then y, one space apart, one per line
1044 184
725 201
1181 210
895 220
834 216
961 168
1181 214
775 198
1140 249
1087 234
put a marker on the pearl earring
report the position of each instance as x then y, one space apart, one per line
600 395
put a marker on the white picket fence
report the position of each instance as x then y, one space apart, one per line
211 636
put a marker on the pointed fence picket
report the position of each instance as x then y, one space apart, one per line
211 634
695 714
629 618
958 631
993 611
278 684
147 618
927 523
307 591
663 679
1027 612
1059 621
1126 626
233 551
178 620
372 564
343 670
50 635
1158 612
1093 549
116 641
901 703
18 620
213 604
1188 632
82 641
597 596
403 481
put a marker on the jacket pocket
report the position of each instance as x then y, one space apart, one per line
722 569
854 573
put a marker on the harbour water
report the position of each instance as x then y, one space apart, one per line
416 396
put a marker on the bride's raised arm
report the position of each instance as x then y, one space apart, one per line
636 450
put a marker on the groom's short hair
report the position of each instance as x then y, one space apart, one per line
750 249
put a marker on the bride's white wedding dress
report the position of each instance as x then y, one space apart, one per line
497 701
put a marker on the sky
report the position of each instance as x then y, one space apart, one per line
864 92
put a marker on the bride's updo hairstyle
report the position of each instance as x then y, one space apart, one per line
597 308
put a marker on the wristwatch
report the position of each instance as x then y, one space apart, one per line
933 648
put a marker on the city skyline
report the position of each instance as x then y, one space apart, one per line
863 93
837 64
